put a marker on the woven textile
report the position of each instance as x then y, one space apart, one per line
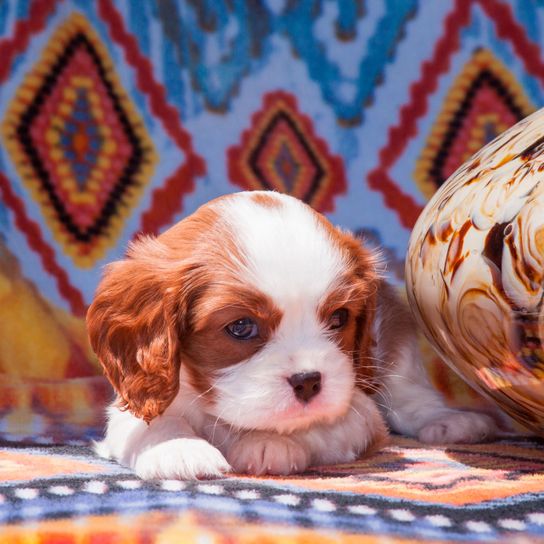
462 493
123 116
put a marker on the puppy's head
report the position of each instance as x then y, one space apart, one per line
255 301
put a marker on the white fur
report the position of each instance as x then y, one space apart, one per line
289 254
340 441
256 424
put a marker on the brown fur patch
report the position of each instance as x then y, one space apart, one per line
352 297
266 200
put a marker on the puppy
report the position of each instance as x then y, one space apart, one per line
254 336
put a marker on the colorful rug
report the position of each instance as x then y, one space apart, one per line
492 492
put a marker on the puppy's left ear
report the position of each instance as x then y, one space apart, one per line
135 326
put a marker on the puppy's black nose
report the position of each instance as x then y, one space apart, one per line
306 385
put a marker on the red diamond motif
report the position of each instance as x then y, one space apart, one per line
77 142
281 152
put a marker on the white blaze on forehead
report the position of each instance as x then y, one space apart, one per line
289 254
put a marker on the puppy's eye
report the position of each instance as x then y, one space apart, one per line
338 318
243 329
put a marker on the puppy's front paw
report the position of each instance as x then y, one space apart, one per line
458 428
181 459
264 453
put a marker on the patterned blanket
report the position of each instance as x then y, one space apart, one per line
404 493
122 116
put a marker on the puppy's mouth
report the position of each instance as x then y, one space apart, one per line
301 414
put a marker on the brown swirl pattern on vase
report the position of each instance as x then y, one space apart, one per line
475 271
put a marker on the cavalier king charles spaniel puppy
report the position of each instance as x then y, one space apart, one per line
256 337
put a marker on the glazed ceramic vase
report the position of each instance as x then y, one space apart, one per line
475 271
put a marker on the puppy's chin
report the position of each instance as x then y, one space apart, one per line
303 417
287 416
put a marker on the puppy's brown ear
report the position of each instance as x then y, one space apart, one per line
364 342
366 265
135 330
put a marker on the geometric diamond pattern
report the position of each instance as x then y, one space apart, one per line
281 152
281 158
499 17
78 143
